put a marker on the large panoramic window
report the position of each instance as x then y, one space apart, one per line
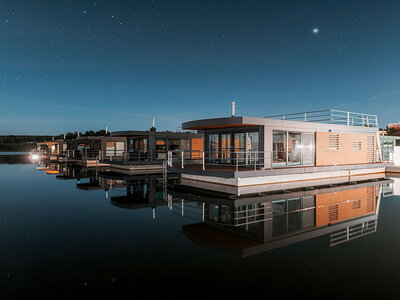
138 144
293 148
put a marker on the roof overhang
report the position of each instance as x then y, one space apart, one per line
216 123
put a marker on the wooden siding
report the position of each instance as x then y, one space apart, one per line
344 205
344 148
197 147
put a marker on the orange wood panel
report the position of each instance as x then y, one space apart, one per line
344 205
197 148
327 155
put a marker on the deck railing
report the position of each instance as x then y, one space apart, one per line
353 232
331 117
255 160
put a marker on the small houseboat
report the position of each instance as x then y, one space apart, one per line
244 155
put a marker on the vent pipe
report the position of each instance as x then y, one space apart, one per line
233 108
153 123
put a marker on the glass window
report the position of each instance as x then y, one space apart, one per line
173 144
160 145
213 147
279 148
239 145
294 148
225 147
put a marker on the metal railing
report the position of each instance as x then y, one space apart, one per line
332 117
238 159
248 160
353 232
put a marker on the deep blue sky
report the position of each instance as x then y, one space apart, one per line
79 65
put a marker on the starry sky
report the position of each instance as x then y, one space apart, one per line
81 65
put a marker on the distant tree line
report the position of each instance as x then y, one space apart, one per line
393 131
28 142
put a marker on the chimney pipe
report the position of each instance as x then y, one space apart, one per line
153 121
106 129
233 108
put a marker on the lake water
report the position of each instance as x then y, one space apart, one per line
77 231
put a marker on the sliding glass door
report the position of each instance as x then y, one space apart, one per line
279 147
225 148
293 148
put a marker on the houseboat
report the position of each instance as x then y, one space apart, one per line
93 151
51 150
244 155
147 150
153 144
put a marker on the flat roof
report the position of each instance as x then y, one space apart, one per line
284 124
159 134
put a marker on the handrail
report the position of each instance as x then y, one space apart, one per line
332 117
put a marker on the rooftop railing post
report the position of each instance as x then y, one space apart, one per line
182 162
305 117
204 162
237 162
348 118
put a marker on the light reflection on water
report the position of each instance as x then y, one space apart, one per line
79 229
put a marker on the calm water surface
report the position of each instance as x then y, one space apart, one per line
74 231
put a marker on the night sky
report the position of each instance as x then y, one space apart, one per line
80 65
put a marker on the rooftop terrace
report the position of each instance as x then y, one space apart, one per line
331 117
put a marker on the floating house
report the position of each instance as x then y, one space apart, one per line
147 150
51 150
93 151
154 145
245 155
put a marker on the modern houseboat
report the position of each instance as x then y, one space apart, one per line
153 144
245 155
93 151
147 150
51 150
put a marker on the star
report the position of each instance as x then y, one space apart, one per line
315 30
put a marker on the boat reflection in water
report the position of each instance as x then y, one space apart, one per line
147 191
252 225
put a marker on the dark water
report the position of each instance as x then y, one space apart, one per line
63 233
